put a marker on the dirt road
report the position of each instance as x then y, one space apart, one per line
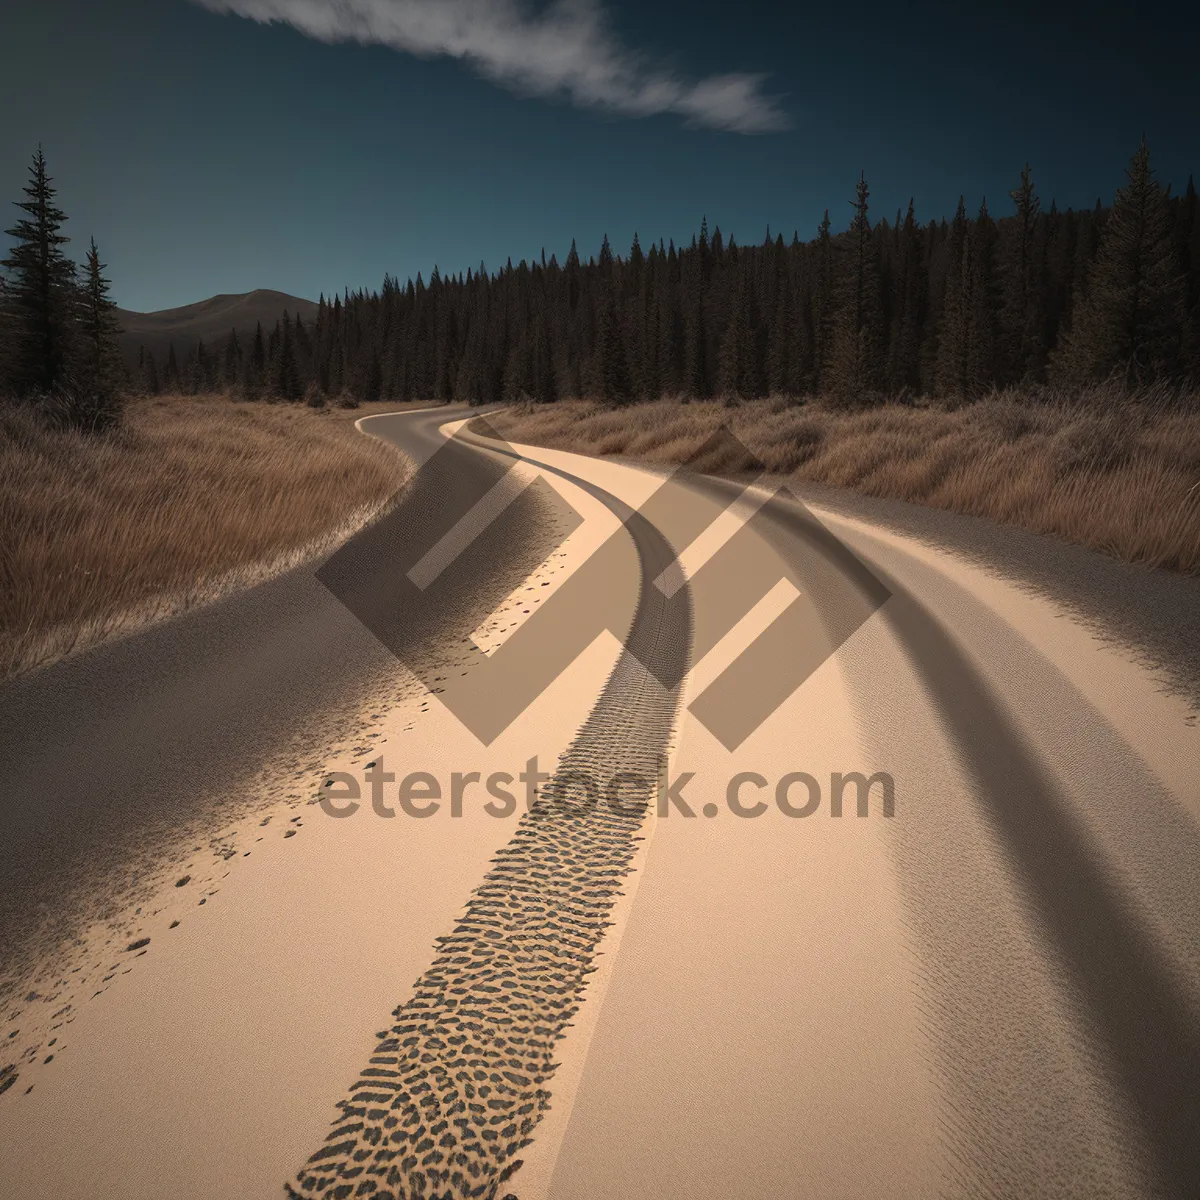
980 978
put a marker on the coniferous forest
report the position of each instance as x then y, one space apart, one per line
887 309
59 337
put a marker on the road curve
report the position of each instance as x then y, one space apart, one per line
110 754
457 1085
993 990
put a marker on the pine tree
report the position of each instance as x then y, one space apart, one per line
637 261
781 349
257 369
545 386
373 384
1087 242
737 345
171 374
980 373
1188 242
287 376
1021 317
572 273
802 364
197 370
1062 240
823 301
444 355
934 260
302 346
650 331
605 262
909 292
854 371
518 386
98 402
232 362
695 372
650 380
1132 317
616 387
953 326
41 293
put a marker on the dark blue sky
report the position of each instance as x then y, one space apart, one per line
208 153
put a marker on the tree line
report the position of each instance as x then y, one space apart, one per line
59 337
882 310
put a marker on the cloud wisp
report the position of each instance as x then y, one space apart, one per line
566 49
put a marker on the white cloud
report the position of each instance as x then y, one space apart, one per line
565 49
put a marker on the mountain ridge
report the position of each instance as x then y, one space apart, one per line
208 321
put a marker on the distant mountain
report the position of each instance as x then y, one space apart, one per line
208 321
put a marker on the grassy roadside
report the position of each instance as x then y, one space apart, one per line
192 498
1116 473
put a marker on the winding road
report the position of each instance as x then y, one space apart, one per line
896 891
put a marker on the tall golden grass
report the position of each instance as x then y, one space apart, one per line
197 496
192 497
1119 473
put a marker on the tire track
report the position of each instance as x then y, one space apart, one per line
458 1083
1122 989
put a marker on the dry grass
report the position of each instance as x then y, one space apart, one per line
1117 473
192 498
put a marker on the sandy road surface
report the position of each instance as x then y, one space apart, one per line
995 991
